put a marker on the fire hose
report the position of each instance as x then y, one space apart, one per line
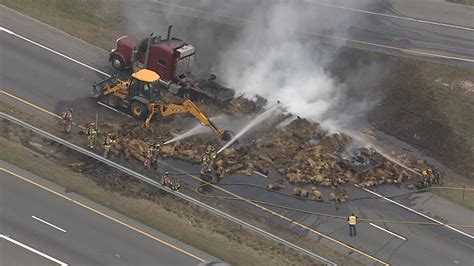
196 189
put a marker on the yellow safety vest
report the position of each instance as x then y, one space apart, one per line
352 220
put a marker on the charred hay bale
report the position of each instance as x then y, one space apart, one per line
368 183
246 172
235 167
335 142
138 145
276 185
295 178
317 178
168 150
367 152
314 152
229 153
300 192
317 195
349 176
325 183
265 158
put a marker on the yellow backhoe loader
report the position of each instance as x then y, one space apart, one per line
141 95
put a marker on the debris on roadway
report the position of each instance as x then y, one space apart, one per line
305 156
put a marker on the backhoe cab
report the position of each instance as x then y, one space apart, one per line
140 94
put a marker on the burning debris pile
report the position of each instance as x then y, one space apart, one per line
301 152
304 154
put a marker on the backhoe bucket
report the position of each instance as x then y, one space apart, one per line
99 88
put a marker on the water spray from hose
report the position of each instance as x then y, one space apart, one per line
198 129
256 121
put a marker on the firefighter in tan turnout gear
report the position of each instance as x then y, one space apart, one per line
91 133
108 142
67 120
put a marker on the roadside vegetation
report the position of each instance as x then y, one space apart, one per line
464 2
95 21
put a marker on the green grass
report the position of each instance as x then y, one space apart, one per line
95 21
464 2
465 199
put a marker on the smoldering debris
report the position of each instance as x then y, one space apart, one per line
304 154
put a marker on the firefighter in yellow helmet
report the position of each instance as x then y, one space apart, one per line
91 133
352 220
108 142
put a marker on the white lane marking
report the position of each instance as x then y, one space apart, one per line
50 224
261 174
113 109
387 231
32 250
417 212
394 16
53 51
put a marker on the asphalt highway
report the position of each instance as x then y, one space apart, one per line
73 234
54 82
368 25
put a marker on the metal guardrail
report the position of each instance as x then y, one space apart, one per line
158 185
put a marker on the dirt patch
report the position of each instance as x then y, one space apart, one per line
431 106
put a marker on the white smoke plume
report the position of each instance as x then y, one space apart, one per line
266 50
273 58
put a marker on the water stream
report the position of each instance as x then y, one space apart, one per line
198 129
257 120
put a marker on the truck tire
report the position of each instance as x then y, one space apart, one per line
117 62
138 110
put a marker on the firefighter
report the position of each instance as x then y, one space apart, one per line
352 221
67 120
424 175
156 154
205 162
108 142
148 156
437 177
175 185
212 153
166 179
91 133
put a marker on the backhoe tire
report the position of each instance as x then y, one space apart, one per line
117 62
138 110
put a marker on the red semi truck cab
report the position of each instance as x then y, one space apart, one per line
172 59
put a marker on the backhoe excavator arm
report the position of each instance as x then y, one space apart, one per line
186 107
